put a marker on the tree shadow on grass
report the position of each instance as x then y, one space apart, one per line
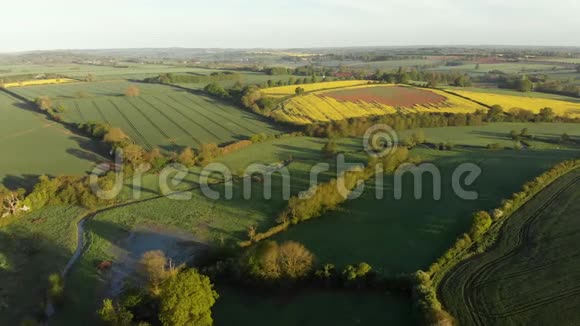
26 181
26 260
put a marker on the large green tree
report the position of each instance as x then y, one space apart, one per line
186 299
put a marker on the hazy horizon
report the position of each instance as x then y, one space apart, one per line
65 24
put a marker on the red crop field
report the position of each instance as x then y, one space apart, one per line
395 96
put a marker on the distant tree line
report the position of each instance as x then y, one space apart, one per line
358 126
170 78
532 82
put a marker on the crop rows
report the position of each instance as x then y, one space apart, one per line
507 264
169 120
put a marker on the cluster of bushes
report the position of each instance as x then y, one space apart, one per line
477 240
494 146
327 196
94 129
414 139
262 137
68 190
171 296
445 146
269 265
45 105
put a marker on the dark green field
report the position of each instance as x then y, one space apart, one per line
311 308
402 236
531 272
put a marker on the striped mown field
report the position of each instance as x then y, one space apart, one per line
161 116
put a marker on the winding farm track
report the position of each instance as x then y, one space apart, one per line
470 287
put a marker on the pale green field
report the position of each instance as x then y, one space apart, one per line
161 116
33 146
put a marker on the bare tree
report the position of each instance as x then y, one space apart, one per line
10 201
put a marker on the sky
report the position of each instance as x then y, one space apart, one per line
81 24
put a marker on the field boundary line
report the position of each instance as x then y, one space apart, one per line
180 127
198 112
220 113
137 132
161 131
101 114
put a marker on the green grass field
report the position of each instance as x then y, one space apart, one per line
28 139
404 235
161 116
310 308
532 271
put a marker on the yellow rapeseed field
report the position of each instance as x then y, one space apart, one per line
38 82
561 108
282 91
315 107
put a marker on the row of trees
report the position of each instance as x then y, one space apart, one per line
358 126
327 196
170 78
431 78
531 82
